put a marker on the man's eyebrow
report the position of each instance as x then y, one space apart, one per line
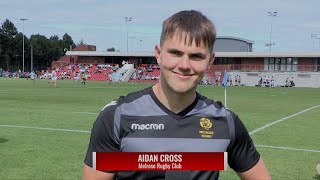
193 54
172 50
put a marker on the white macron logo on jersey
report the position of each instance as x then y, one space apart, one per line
147 126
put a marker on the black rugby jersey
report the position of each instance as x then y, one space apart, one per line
139 122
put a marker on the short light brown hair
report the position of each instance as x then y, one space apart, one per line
192 25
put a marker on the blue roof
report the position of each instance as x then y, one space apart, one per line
236 38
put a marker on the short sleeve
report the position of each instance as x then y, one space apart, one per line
242 154
103 136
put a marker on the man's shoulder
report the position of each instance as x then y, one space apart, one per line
135 95
216 104
219 107
127 98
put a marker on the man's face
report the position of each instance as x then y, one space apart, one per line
182 66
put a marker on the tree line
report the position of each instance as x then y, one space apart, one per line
44 50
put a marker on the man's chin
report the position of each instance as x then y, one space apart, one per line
183 89
180 87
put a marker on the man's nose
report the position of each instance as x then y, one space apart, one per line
184 63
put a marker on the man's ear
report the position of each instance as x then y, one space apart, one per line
211 60
157 53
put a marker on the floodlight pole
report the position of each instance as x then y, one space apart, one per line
127 19
271 14
23 19
31 65
314 36
140 44
319 40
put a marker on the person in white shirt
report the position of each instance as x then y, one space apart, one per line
54 78
33 76
272 82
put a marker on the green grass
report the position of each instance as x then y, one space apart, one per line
46 154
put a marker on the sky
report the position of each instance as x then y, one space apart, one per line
102 22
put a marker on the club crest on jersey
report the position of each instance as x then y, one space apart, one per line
206 124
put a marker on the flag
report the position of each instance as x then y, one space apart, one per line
225 78
224 84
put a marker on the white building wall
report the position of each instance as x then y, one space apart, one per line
311 79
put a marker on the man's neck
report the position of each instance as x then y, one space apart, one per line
175 102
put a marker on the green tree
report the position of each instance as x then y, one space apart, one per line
67 41
111 49
8 42
44 50
18 47
56 47
41 49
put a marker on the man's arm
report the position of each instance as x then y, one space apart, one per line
102 140
91 174
259 171
244 158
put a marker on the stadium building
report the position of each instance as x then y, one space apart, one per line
232 54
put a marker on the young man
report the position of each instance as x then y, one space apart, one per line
83 78
184 55
33 76
54 78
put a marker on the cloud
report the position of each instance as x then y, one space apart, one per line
94 20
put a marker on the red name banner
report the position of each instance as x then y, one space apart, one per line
159 161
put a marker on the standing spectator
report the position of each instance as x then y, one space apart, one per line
236 80
272 81
239 80
287 83
54 78
292 84
230 80
260 81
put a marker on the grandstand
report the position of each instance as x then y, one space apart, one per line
303 67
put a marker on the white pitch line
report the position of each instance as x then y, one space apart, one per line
282 119
288 148
41 128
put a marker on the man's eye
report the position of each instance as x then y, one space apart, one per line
196 57
176 53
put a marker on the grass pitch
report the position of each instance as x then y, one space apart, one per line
44 131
